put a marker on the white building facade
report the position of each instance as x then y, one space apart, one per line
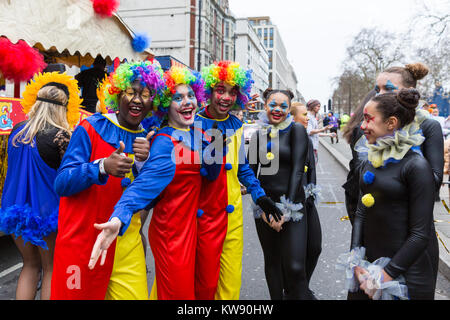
251 54
174 25
281 72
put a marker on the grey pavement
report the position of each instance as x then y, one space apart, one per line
342 154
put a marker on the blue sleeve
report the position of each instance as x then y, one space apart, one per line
246 175
210 169
76 172
155 176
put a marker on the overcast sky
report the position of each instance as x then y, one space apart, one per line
316 33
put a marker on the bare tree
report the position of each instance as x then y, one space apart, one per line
371 52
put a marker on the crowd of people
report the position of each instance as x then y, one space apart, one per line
77 195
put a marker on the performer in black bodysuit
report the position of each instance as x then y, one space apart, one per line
285 247
394 217
309 183
392 80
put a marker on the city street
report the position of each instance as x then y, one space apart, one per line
327 282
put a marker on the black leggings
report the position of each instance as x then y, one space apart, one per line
288 260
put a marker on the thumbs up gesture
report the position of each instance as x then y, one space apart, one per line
117 164
141 147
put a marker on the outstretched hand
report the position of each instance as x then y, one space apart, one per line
109 233
117 164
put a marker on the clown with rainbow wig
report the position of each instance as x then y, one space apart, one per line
220 228
105 153
170 183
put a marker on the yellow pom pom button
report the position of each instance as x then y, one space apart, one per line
368 200
306 169
270 156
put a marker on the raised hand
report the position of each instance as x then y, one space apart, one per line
109 233
117 164
141 147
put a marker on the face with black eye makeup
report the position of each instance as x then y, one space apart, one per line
134 105
388 82
278 106
183 107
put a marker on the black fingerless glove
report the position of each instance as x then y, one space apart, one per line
269 207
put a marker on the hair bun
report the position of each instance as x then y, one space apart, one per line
266 93
408 98
418 70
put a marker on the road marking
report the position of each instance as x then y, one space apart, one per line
10 270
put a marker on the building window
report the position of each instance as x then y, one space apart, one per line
265 33
227 29
271 43
265 43
227 52
259 32
271 33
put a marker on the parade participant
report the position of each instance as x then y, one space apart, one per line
220 228
171 182
392 80
352 133
312 192
101 160
396 178
35 149
284 247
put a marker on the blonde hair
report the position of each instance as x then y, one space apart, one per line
295 107
44 113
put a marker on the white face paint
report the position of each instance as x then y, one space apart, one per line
183 107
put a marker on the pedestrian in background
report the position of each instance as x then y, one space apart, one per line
313 107
334 122
36 147
89 80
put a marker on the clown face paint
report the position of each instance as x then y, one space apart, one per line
183 107
388 82
223 98
374 126
134 105
277 107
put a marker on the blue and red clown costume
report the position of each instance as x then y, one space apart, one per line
29 204
220 227
170 183
88 197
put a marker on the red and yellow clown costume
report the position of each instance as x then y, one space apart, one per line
88 197
220 228
170 183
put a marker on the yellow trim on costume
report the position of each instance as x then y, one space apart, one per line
214 119
185 130
229 284
123 128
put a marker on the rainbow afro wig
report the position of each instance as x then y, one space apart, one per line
149 73
231 73
174 77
